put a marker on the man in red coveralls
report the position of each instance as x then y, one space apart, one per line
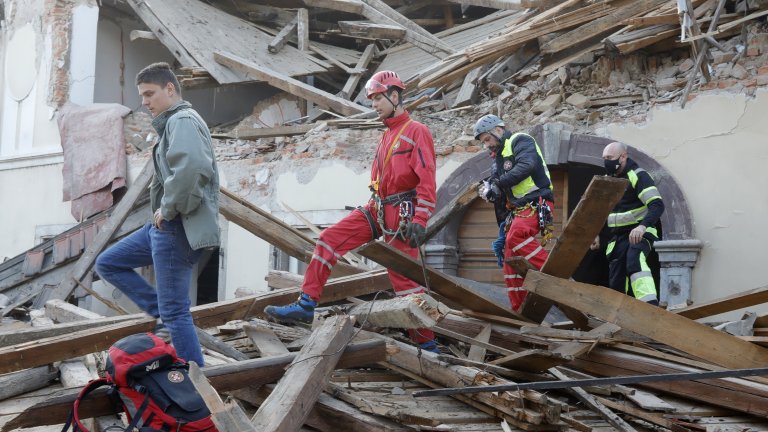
403 186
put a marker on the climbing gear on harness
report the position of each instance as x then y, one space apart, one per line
404 201
546 221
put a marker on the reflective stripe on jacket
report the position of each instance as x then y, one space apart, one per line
633 208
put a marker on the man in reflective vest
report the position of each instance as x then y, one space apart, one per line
404 194
634 226
522 181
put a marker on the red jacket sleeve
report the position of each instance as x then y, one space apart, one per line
423 164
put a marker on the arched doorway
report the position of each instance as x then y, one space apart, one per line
462 247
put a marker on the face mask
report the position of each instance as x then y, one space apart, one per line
611 166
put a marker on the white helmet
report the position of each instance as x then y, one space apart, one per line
487 123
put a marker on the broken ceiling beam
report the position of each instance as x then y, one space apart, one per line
214 344
16 337
289 84
407 312
223 378
369 30
725 304
265 226
163 34
380 13
350 6
382 253
354 79
99 243
498 4
628 313
292 399
277 43
579 232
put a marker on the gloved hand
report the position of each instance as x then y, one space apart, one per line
416 234
489 191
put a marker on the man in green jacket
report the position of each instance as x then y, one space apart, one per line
184 199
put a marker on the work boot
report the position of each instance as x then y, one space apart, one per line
302 311
430 346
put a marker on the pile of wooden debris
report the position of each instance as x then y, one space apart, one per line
343 377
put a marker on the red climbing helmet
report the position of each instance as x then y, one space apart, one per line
381 81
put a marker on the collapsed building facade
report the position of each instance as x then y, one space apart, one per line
575 74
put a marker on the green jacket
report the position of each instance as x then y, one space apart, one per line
186 181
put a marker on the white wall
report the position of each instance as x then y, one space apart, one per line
717 150
30 149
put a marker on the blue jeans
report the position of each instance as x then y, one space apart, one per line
168 250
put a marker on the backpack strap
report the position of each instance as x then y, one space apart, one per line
74 416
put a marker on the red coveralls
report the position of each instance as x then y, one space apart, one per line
410 166
521 241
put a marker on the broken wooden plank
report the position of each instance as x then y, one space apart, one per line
268 132
595 405
351 6
226 417
448 287
329 413
621 10
579 232
302 30
212 343
272 230
469 89
407 312
651 321
105 234
62 312
290 402
288 84
265 340
379 12
223 378
371 30
354 79
498 4
649 401
142 36
725 304
525 408
278 42
477 352
278 279
27 380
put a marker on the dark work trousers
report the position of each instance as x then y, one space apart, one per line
628 271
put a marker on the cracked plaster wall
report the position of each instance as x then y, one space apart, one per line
717 150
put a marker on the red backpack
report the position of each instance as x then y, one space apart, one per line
152 385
